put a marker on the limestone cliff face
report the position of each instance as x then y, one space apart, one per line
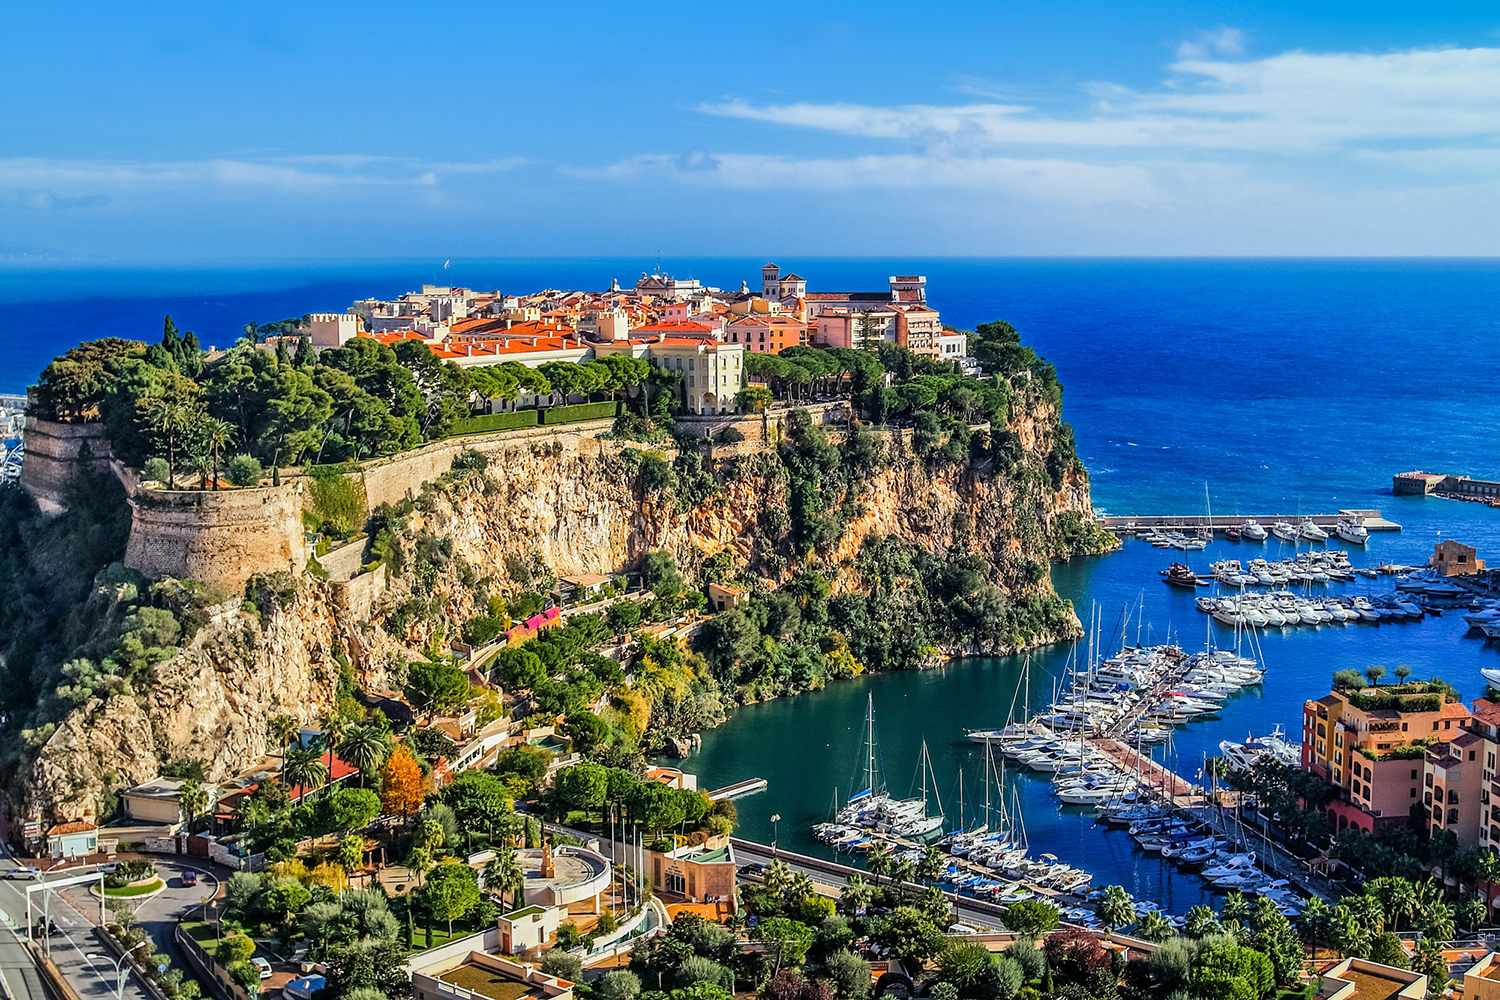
571 501
210 703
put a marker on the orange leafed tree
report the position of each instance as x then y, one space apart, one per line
401 790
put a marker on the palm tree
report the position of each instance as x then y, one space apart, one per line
856 895
778 877
1154 927
218 434
193 798
1116 909
1470 912
252 812
1202 920
282 729
1235 908
364 747
931 864
878 861
505 874
304 769
1438 924
1315 922
169 417
332 735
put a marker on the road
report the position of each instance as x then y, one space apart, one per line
81 957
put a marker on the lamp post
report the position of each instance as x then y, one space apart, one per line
119 964
775 831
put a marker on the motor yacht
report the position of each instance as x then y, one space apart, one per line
1311 532
1352 530
1251 531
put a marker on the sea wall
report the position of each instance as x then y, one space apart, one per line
55 453
212 536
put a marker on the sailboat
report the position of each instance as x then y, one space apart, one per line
873 808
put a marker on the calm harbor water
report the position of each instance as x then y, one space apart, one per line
1284 385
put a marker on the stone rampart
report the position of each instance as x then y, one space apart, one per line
400 477
55 453
222 537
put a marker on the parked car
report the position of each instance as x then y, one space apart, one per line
262 965
109 867
753 870
23 871
189 878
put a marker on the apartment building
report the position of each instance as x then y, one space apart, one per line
1372 744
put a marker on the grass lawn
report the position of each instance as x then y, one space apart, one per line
440 935
486 983
134 890
199 931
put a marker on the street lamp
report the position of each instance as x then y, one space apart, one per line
775 830
119 963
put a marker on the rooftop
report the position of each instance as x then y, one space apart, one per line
489 983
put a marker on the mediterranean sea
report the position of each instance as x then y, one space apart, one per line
1280 385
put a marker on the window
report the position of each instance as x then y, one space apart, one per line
676 883
1413 793
1447 723
1413 774
1403 727
1429 781
1471 754
1434 725
1453 815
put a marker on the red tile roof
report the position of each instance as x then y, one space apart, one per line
77 826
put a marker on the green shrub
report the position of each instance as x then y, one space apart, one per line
579 411
155 470
487 422
338 499
244 470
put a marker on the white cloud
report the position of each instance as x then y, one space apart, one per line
1225 41
1293 103
288 174
1045 180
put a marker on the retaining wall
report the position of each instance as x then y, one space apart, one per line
55 453
222 537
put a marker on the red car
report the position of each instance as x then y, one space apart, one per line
189 878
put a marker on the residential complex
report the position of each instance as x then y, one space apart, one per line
1406 753
682 325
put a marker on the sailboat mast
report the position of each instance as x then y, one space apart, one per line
870 717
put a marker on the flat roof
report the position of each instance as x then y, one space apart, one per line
488 983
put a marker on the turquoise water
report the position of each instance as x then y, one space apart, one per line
1284 385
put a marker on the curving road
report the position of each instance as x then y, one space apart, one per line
79 954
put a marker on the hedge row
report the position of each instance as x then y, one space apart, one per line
580 411
495 422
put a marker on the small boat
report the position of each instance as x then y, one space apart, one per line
1178 575
1491 676
1284 530
1252 531
1233 534
1311 532
1352 530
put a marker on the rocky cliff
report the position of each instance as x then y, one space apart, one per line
574 504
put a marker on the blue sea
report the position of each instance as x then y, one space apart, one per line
1251 385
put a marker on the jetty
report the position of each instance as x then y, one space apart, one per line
747 787
1373 520
1442 484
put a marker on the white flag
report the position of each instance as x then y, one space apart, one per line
447 263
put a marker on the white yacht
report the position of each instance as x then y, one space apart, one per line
1284 530
1352 530
1252 531
1312 532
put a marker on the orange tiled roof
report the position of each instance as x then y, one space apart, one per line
77 826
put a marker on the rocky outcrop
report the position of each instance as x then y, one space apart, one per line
571 502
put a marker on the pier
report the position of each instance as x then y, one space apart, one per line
1441 484
747 787
1373 521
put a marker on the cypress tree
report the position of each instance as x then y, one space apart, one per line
170 340
306 358
282 358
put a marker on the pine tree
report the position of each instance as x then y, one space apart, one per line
282 358
170 340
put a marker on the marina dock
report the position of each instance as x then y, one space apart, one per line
1121 524
1180 792
747 787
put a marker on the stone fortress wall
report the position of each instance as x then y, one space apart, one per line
228 536
55 453
223 536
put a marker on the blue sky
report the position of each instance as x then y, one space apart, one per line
174 132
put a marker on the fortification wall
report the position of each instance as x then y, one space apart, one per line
224 537
399 477
55 453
